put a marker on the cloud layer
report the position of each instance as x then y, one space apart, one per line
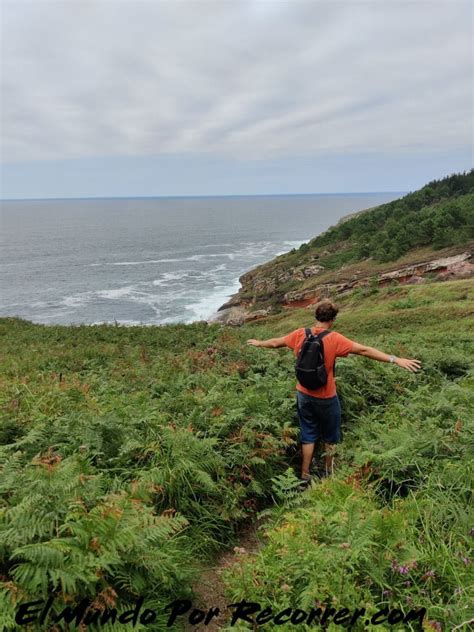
240 79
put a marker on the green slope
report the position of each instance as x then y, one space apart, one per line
394 529
129 456
436 221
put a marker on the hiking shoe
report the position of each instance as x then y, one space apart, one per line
305 483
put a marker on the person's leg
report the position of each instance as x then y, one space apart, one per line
307 450
331 432
329 451
309 432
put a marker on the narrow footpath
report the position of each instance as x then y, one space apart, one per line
209 589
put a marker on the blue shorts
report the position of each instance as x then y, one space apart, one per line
319 418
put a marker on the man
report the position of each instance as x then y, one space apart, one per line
319 410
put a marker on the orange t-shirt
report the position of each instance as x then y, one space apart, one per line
335 346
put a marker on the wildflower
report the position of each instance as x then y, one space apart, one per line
458 590
403 569
466 560
285 587
344 545
471 532
428 575
387 593
407 584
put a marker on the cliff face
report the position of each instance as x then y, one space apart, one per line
264 286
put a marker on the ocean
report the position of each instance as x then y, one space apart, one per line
149 260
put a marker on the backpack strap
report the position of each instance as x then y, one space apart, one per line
324 333
321 335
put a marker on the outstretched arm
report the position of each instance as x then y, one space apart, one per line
380 356
271 343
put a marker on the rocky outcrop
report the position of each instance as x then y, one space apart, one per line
310 271
448 267
229 316
259 286
304 296
237 316
258 283
454 265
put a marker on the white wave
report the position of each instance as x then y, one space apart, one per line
76 300
220 268
169 280
207 306
217 245
257 243
295 244
198 257
170 277
136 263
33 304
210 255
252 249
128 292
120 292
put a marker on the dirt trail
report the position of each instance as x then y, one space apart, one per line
209 588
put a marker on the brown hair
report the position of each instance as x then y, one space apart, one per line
325 311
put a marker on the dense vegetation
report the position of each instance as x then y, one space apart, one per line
129 455
395 527
440 214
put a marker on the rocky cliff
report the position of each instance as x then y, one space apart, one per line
240 308
428 234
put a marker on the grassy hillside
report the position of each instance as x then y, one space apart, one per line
440 214
129 456
435 221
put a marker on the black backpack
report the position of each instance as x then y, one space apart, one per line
310 369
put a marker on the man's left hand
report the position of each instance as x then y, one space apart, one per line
409 365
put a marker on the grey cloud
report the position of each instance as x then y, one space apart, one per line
246 79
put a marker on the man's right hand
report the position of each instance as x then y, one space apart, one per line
409 365
253 342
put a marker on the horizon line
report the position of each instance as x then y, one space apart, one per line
155 197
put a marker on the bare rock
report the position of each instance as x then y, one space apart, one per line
257 314
298 275
303 295
416 280
462 270
310 271
234 316
418 269
286 275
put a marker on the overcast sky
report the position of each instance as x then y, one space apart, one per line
112 97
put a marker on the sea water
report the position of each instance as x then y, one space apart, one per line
149 260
